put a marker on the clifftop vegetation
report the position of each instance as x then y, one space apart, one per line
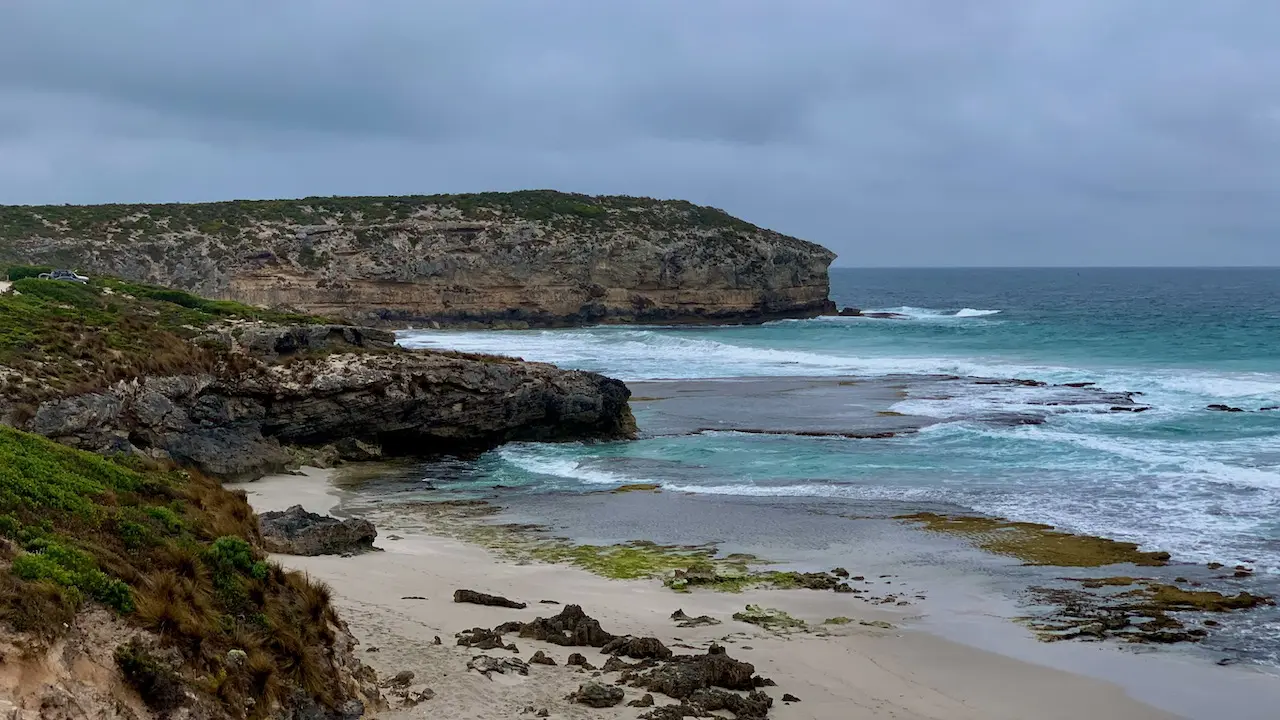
237 218
60 338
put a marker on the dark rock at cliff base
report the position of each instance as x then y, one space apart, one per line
298 532
572 627
595 695
1224 408
850 312
638 648
884 315
356 450
479 598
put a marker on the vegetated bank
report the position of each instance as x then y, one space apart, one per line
520 259
156 573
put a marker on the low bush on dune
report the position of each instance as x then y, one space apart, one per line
168 551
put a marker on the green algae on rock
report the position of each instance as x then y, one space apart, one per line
637 487
1037 544
1143 614
770 619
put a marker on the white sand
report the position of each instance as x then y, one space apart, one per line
855 672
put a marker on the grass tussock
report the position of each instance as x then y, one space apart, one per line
169 551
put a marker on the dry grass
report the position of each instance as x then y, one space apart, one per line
173 552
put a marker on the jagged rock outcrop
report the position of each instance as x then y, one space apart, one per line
236 425
298 532
536 258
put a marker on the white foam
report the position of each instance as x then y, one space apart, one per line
970 312
562 467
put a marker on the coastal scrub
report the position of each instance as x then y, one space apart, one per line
168 551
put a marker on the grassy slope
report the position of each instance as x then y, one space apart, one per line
60 338
170 552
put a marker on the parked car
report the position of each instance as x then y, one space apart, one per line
68 275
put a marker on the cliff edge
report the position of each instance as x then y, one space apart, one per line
531 258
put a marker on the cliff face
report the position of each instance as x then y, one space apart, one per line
535 258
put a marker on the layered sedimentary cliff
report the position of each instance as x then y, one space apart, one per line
536 258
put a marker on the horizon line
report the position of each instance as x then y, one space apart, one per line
1055 267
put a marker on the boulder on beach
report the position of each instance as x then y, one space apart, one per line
479 598
298 532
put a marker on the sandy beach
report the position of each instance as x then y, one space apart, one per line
400 599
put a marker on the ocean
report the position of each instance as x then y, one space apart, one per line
1177 476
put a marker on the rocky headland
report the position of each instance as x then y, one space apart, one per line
237 392
510 260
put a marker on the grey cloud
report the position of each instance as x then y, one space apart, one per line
923 132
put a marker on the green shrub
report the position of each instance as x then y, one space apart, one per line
18 272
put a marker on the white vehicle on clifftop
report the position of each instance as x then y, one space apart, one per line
68 275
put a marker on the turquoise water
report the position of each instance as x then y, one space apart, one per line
1201 484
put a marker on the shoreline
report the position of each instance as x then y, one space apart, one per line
929 669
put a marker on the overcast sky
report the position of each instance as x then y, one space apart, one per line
896 132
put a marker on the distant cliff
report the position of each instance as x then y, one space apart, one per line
536 258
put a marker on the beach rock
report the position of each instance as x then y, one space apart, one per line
486 665
399 680
1224 408
645 701
705 703
769 618
616 664
681 675
298 532
572 627
638 648
579 660
481 639
840 572
479 598
596 695
540 658
788 697
843 588
684 621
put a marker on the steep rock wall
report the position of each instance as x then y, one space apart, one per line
507 260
